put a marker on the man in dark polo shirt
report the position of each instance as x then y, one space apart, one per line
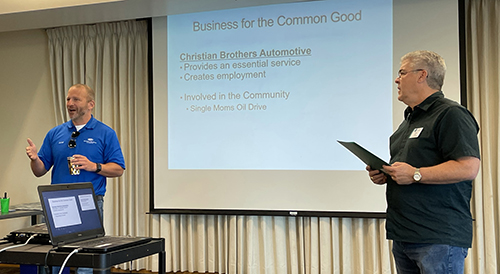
434 158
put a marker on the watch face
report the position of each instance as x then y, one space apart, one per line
417 177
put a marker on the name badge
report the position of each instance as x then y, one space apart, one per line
416 132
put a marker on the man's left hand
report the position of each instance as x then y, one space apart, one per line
83 163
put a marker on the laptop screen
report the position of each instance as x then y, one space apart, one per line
70 211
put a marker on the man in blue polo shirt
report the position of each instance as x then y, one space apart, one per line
434 158
92 146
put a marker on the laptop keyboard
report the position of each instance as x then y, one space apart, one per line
97 241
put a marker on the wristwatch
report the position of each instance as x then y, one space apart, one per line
98 168
417 176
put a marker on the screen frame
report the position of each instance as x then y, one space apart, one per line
350 214
56 237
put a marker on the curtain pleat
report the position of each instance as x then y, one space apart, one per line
483 93
112 58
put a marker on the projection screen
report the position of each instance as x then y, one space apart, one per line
250 99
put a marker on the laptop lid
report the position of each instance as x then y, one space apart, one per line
71 212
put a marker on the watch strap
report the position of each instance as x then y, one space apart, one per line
98 167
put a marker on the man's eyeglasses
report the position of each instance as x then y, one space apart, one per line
402 72
72 141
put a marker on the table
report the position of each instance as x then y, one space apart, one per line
22 213
100 262
23 210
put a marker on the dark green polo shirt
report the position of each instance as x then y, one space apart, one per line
436 131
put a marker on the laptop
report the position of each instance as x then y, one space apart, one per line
74 222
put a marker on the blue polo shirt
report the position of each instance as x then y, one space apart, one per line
97 141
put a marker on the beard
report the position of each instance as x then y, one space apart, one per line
79 113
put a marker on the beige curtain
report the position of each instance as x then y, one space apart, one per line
483 93
267 244
112 58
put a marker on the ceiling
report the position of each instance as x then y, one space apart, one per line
35 14
16 15
17 6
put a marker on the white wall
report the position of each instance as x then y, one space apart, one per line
26 110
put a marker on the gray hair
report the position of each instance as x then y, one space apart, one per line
432 62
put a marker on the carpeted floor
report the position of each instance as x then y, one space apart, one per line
14 269
9 269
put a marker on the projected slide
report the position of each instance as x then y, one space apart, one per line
274 87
